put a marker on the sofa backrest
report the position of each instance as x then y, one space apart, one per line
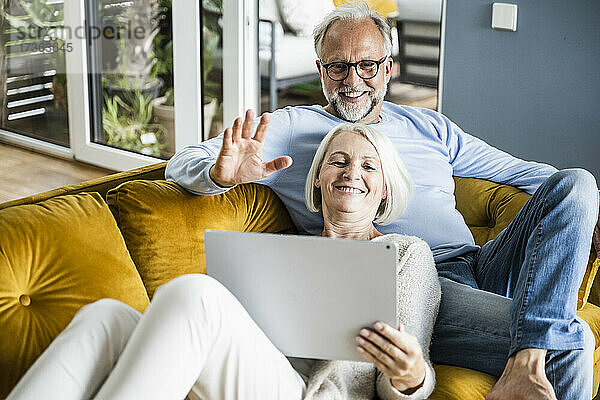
487 208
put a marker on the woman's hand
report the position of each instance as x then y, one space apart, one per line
240 159
396 353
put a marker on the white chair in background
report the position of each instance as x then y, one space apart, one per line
285 31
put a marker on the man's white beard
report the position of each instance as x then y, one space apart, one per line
353 112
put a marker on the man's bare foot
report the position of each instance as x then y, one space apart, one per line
524 378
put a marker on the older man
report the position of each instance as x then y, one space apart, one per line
508 307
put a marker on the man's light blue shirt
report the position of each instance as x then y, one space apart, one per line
432 147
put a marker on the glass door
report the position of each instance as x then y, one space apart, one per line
131 76
121 84
34 103
161 75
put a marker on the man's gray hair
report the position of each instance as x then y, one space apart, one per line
354 11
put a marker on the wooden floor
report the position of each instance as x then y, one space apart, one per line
23 172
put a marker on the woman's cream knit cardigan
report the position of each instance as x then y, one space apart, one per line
418 302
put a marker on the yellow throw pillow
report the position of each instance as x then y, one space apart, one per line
55 257
163 225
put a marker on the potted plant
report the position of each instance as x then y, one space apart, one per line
132 72
128 126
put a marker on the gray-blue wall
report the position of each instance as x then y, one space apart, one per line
534 93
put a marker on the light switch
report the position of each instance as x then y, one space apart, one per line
504 16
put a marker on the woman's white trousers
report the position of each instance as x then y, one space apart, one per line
195 339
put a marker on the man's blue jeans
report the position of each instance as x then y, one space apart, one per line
520 290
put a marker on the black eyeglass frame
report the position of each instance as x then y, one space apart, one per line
355 65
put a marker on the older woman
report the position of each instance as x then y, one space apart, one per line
195 339
357 179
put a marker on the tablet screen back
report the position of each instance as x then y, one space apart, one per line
310 295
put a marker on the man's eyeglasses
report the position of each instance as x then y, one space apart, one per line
366 69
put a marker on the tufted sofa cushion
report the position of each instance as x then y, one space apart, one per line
55 257
163 225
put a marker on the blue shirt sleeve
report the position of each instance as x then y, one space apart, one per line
472 157
190 167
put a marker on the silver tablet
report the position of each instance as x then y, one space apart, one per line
310 295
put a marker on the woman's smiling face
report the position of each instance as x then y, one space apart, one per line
351 178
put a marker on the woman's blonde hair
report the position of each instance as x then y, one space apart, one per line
398 184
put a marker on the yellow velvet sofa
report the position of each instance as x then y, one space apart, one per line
123 235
